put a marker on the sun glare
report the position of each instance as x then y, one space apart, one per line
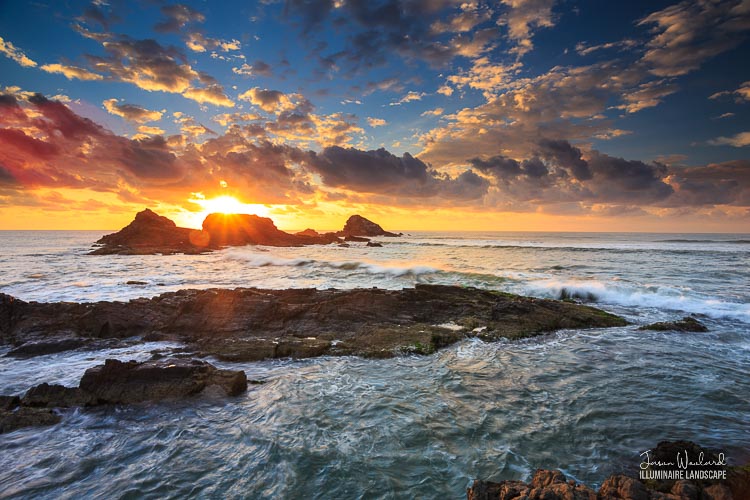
224 204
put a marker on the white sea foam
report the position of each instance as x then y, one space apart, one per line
658 297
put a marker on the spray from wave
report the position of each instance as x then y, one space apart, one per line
632 295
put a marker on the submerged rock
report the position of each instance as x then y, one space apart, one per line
686 324
11 420
31 349
253 324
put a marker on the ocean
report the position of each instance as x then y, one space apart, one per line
586 402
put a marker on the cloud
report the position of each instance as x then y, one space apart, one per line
197 42
584 49
150 66
486 75
257 68
148 130
380 172
445 90
688 33
177 17
738 140
211 94
409 97
433 112
742 94
71 72
376 122
10 51
522 18
44 144
275 101
132 112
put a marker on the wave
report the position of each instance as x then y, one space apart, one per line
633 296
394 270
638 247
729 242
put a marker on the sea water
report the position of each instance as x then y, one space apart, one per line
587 402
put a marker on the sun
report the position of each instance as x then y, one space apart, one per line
224 204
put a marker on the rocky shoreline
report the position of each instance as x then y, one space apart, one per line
249 324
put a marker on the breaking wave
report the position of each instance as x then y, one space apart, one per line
658 297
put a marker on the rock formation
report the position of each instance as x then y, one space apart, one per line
254 324
357 225
117 382
150 233
244 229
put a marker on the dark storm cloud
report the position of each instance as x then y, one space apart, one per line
619 180
565 155
715 184
382 172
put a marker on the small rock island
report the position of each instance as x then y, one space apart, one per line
150 233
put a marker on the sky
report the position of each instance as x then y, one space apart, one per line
537 115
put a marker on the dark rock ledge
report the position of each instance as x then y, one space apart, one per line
117 382
247 324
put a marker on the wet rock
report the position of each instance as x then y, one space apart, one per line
250 324
357 225
9 402
31 349
545 485
374 244
11 420
118 382
135 282
56 396
621 486
686 324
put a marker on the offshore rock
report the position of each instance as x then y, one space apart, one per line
357 225
245 229
248 324
150 233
